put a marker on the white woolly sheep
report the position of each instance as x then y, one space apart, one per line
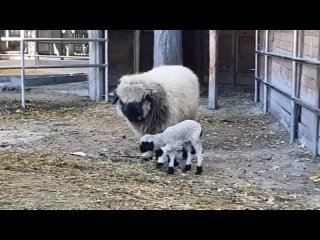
185 134
157 99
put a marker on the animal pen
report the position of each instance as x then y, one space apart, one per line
286 70
73 151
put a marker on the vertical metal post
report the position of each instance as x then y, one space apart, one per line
256 83
22 62
106 68
265 87
7 42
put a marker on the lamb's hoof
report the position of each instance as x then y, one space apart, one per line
187 168
159 165
199 170
170 170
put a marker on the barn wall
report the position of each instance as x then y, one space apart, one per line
120 51
2 43
280 76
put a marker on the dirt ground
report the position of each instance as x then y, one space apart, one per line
249 163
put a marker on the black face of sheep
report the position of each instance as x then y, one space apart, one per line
133 111
146 146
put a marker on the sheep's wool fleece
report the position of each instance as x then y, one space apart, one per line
177 90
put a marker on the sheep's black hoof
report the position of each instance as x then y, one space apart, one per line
187 168
170 170
199 170
159 165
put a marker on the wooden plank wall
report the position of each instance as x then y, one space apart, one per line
280 75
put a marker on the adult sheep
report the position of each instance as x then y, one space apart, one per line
154 100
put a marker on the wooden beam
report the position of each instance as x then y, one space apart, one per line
213 86
96 74
167 47
315 126
294 106
136 50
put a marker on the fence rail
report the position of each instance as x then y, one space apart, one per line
92 57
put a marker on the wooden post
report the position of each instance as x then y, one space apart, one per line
315 126
213 86
96 75
167 47
136 50
294 106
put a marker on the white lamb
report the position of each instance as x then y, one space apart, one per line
185 134
154 100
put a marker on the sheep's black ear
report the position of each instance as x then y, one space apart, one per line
148 98
113 97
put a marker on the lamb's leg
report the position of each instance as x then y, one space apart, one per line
162 158
187 167
198 147
172 157
176 163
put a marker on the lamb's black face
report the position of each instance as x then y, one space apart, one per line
146 146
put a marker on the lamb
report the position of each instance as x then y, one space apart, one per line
185 134
154 100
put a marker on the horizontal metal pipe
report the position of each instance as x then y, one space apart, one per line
18 39
56 66
296 100
291 58
45 56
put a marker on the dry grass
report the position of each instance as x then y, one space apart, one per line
240 146
27 72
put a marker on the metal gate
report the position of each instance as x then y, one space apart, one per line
98 60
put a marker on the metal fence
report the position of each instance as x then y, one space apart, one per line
95 78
